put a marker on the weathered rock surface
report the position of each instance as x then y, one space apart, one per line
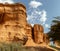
46 39
30 41
38 33
29 30
13 22
14 26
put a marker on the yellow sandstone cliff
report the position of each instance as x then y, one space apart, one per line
14 26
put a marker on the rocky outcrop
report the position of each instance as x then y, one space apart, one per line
14 26
45 39
30 41
13 22
29 30
38 33
36 36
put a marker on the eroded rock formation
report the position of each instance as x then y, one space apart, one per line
13 21
38 33
14 26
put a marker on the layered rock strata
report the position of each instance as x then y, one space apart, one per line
13 21
14 26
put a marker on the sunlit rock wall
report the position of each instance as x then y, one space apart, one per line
14 26
38 33
12 21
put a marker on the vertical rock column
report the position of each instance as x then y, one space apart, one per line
38 33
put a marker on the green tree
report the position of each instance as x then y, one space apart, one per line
54 32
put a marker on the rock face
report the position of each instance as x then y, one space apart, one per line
29 30
13 21
46 39
38 33
14 26
30 41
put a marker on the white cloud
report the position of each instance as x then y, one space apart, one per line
35 4
47 26
43 16
8 1
37 16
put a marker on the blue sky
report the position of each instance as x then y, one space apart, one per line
40 11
